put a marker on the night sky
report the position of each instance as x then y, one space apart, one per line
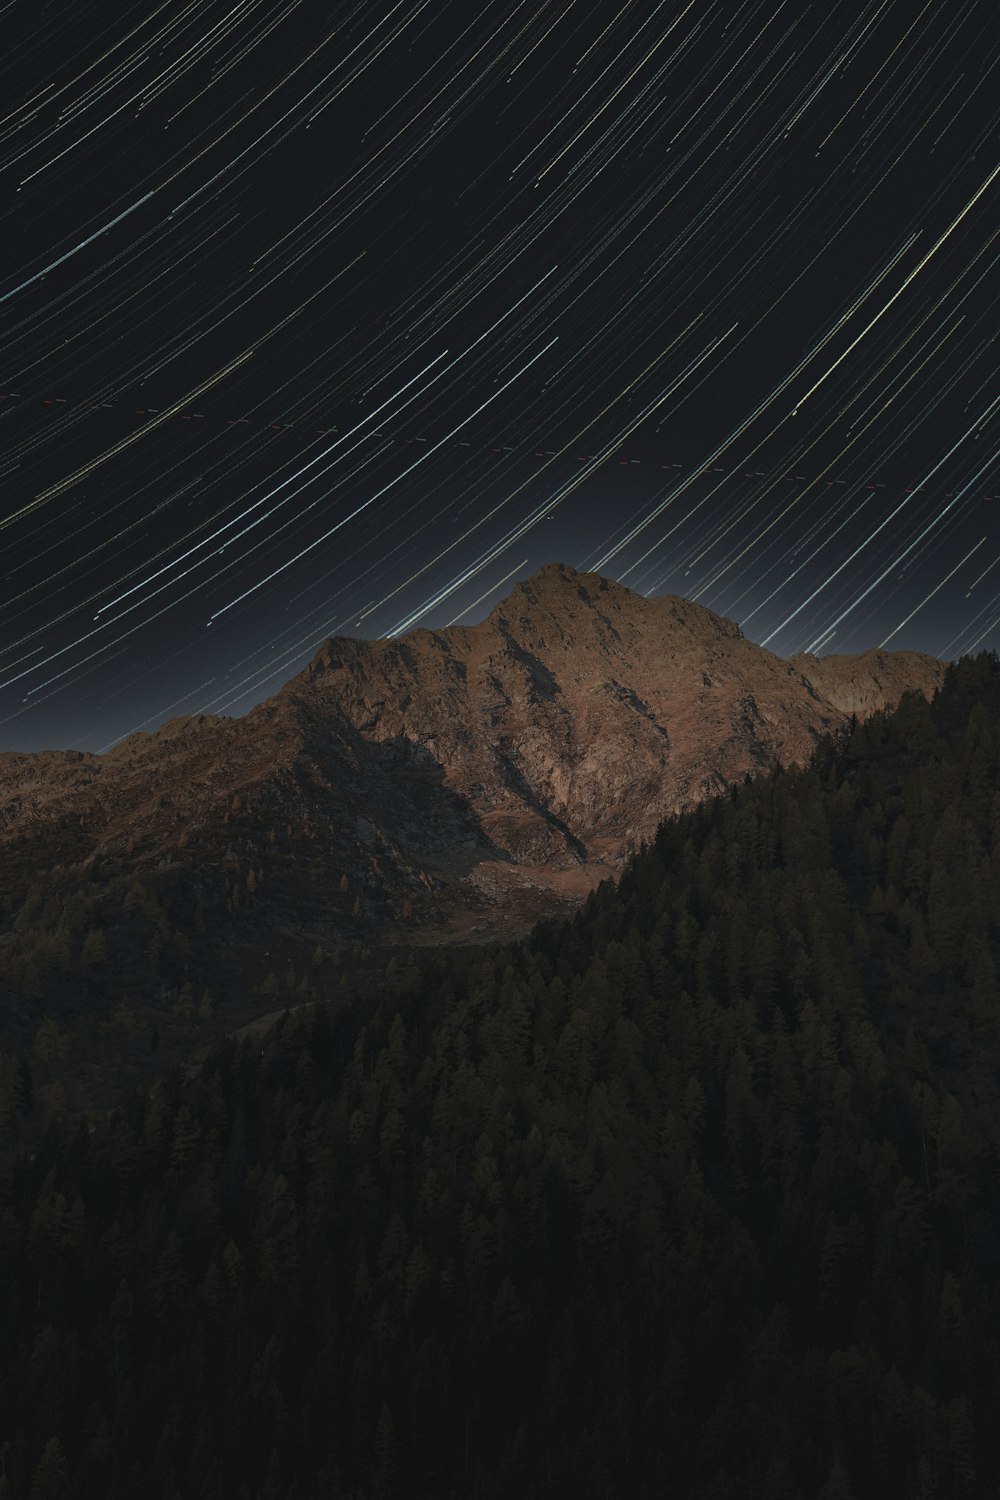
341 318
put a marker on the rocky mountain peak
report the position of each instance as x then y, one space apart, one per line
559 608
560 584
578 714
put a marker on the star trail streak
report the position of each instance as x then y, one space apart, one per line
321 319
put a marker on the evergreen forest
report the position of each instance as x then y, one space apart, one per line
694 1195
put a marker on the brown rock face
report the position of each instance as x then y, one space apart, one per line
420 783
870 680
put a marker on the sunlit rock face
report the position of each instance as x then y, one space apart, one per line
870 680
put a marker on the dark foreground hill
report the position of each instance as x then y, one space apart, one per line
694 1195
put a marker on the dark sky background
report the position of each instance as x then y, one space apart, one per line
341 318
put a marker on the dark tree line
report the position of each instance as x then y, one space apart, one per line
694 1195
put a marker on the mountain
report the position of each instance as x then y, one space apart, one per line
451 782
579 715
695 1194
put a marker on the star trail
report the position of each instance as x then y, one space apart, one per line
340 319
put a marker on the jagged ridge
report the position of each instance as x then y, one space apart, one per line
508 764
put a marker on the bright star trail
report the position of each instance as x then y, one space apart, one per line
340 319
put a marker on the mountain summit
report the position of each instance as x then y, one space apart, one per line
448 779
579 714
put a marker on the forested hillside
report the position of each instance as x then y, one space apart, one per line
694 1195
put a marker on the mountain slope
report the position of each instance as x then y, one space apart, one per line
419 783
